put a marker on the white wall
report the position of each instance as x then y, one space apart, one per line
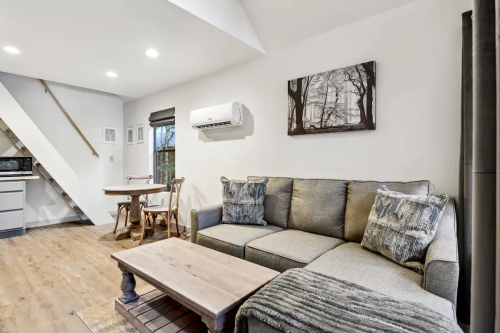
418 52
90 110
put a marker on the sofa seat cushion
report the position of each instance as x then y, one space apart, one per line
361 196
289 249
350 262
231 238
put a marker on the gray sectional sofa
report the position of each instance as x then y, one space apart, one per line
319 224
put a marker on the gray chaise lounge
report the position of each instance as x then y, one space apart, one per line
319 224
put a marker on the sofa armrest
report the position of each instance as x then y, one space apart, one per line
441 261
204 218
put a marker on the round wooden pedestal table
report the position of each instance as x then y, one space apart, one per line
133 230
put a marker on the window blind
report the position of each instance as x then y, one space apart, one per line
162 118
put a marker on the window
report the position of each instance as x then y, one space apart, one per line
163 123
164 157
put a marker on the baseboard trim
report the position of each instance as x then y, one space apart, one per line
43 223
75 218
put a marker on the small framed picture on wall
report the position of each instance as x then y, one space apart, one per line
140 133
109 134
130 135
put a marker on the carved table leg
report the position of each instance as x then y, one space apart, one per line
128 287
135 212
135 219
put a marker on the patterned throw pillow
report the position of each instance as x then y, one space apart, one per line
243 201
401 227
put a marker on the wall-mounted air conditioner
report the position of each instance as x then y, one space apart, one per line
225 115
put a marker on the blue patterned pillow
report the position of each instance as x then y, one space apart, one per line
243 201
401 227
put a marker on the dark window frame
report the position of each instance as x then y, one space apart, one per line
155 154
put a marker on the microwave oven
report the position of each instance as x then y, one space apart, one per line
11 166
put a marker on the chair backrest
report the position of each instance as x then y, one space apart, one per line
174 197
147 178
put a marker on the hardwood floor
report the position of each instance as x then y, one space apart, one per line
53 272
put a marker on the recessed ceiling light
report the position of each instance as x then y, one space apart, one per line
152 53
11 49
111 74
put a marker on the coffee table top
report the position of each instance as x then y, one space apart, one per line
134 189
199 277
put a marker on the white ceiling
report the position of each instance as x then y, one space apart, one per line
77 42
278 23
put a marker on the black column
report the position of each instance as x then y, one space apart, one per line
484 147
464 203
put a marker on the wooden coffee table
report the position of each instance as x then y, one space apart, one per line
200 284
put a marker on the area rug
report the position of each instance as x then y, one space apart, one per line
103 318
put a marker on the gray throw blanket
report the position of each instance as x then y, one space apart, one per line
300 300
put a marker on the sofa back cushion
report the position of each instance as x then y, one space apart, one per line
318 206
361 196
277 200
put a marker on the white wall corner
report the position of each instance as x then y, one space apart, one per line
227 15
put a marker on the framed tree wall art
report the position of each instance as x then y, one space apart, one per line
340 100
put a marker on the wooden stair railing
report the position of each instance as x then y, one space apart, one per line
69 118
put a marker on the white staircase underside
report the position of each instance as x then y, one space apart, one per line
31 136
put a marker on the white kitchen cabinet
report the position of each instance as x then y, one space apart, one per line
12 202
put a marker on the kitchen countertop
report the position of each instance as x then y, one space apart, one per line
18 178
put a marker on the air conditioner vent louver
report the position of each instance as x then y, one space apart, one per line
225 115
224 123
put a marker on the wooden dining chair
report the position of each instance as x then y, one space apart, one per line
126 204
166 212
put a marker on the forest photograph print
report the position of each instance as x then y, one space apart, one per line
335 101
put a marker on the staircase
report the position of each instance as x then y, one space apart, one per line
30 141
43 173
